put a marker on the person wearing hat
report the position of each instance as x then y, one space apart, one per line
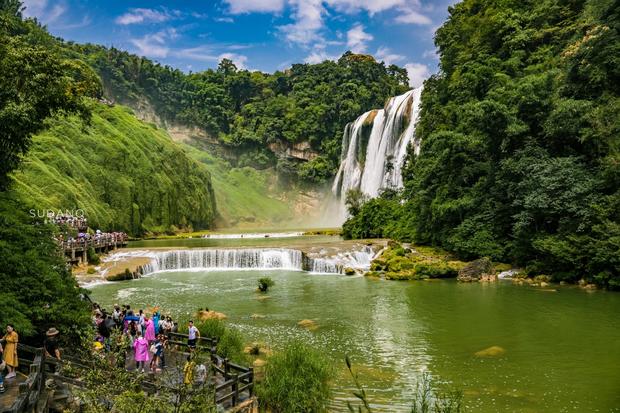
51 343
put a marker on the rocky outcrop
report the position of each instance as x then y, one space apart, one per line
478 270
301 150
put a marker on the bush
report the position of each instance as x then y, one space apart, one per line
264 284
230 341
93 258
90 270
296 380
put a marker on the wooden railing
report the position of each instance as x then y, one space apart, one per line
237 379
105 240
30 390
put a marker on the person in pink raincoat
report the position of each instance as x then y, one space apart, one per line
140 351
149 333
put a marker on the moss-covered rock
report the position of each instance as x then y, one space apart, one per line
417 263
121 276
475 270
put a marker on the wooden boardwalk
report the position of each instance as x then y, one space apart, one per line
232 384
8 398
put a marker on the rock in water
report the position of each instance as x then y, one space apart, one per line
493 351
210 315
308 324
480 269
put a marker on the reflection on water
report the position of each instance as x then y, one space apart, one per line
561 348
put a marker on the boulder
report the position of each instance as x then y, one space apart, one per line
475 270
493 351
308 324
210 315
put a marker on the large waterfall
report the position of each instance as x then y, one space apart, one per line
256 259
374 147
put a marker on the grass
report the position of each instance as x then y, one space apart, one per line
296 380
123 173
245 195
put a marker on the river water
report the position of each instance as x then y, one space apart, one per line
562 348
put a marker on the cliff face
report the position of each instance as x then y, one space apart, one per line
301 150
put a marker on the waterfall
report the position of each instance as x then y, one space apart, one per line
225 259
359 261
256 259
375 145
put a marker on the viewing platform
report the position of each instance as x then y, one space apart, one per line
76 250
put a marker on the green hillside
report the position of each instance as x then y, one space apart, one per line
244 195
125 174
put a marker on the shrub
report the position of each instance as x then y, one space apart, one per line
296 380
230 341
93 258
264 284
90 270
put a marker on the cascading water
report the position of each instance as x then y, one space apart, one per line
374 148
255 259
225 259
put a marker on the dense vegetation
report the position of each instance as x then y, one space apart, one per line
38 291
124 174
254 112
520 133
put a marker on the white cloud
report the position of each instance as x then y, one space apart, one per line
371 6
225 19
308 17
155 44
134 16
261 6
43 11
238 59
410 16
318 56
386 55
417 72
357 38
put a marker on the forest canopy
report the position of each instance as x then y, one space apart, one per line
520 135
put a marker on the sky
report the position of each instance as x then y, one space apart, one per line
265 35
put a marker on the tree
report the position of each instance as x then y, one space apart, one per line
36 83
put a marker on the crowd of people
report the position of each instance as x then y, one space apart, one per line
146 335
85 238
78 222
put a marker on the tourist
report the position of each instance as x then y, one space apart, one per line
188 371
193 334
129 311
116 316
51 343
149 329
10 350
201 374
132 331
156 322
175 327
142 321
157 350
2 367
167 325
141 351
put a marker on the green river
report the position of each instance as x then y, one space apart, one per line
562 348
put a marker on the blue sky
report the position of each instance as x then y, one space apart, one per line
264 35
